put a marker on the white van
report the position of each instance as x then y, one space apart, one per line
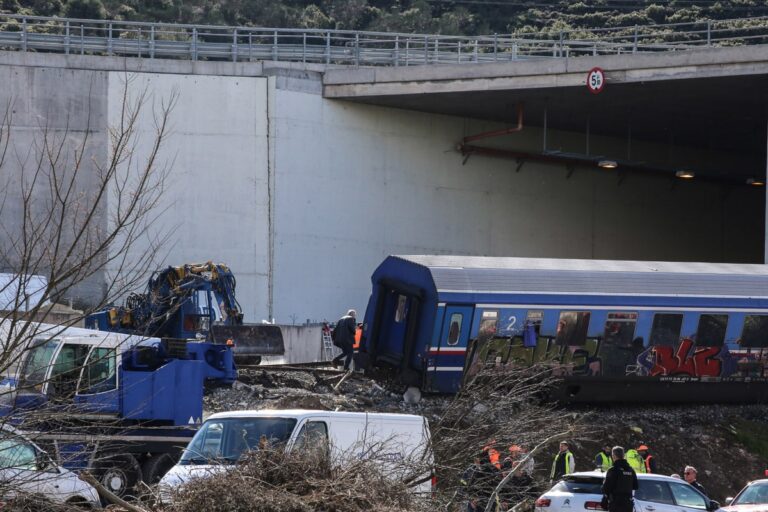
391 439
25 467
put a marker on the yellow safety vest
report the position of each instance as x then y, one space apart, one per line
569 466
636 461
605 461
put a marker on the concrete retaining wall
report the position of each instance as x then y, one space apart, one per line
216 200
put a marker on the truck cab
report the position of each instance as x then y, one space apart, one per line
118 405
114 375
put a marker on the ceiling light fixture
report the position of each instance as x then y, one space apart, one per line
607 164
755 182
686 175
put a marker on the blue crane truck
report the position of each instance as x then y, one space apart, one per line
122 397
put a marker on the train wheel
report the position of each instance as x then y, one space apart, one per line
119 474
155 467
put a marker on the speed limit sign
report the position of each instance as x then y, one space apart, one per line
595 80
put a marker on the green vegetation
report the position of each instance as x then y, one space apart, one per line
467 17
752 435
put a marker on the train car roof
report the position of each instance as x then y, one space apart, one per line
482 275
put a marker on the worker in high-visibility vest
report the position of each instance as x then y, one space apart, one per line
650 461
494 457
603 460
563 463
358 337
636 461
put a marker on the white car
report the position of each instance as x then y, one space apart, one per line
655 493
24 467
752 498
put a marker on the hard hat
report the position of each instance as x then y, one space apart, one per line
642 447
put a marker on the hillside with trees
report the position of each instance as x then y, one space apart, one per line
458 17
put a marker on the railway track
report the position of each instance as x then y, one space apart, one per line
320 367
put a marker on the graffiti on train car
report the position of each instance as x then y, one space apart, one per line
564 360
687 359
595 357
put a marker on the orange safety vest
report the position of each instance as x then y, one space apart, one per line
648 463
358 337
494 456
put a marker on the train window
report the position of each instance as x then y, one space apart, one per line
620 329
755 333
535 318
454 329
488 323
572 328
666 329
400 312
711 331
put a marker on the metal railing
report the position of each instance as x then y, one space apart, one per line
343 47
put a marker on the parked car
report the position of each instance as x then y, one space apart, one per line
225 437
752 498
24 467
655 493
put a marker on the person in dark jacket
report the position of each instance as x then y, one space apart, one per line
344 338
468 478
690 474
518 490
620 481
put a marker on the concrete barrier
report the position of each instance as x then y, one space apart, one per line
303 344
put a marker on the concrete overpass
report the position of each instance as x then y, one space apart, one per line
303 176
713 99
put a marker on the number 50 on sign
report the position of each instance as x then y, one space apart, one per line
595 80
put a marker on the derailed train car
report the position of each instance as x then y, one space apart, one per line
614 330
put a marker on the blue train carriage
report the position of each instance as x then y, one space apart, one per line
613 330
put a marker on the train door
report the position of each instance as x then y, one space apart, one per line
446 360
392 336
395 312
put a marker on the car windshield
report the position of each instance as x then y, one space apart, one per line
754 494
577 485
36 364
226 440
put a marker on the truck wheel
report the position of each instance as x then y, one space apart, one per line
155 467
118 473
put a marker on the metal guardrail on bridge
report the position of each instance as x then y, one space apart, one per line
342 47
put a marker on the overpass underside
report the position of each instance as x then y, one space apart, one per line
664 115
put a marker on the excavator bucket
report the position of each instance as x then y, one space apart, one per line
251 341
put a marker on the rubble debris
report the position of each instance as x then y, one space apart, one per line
412 395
